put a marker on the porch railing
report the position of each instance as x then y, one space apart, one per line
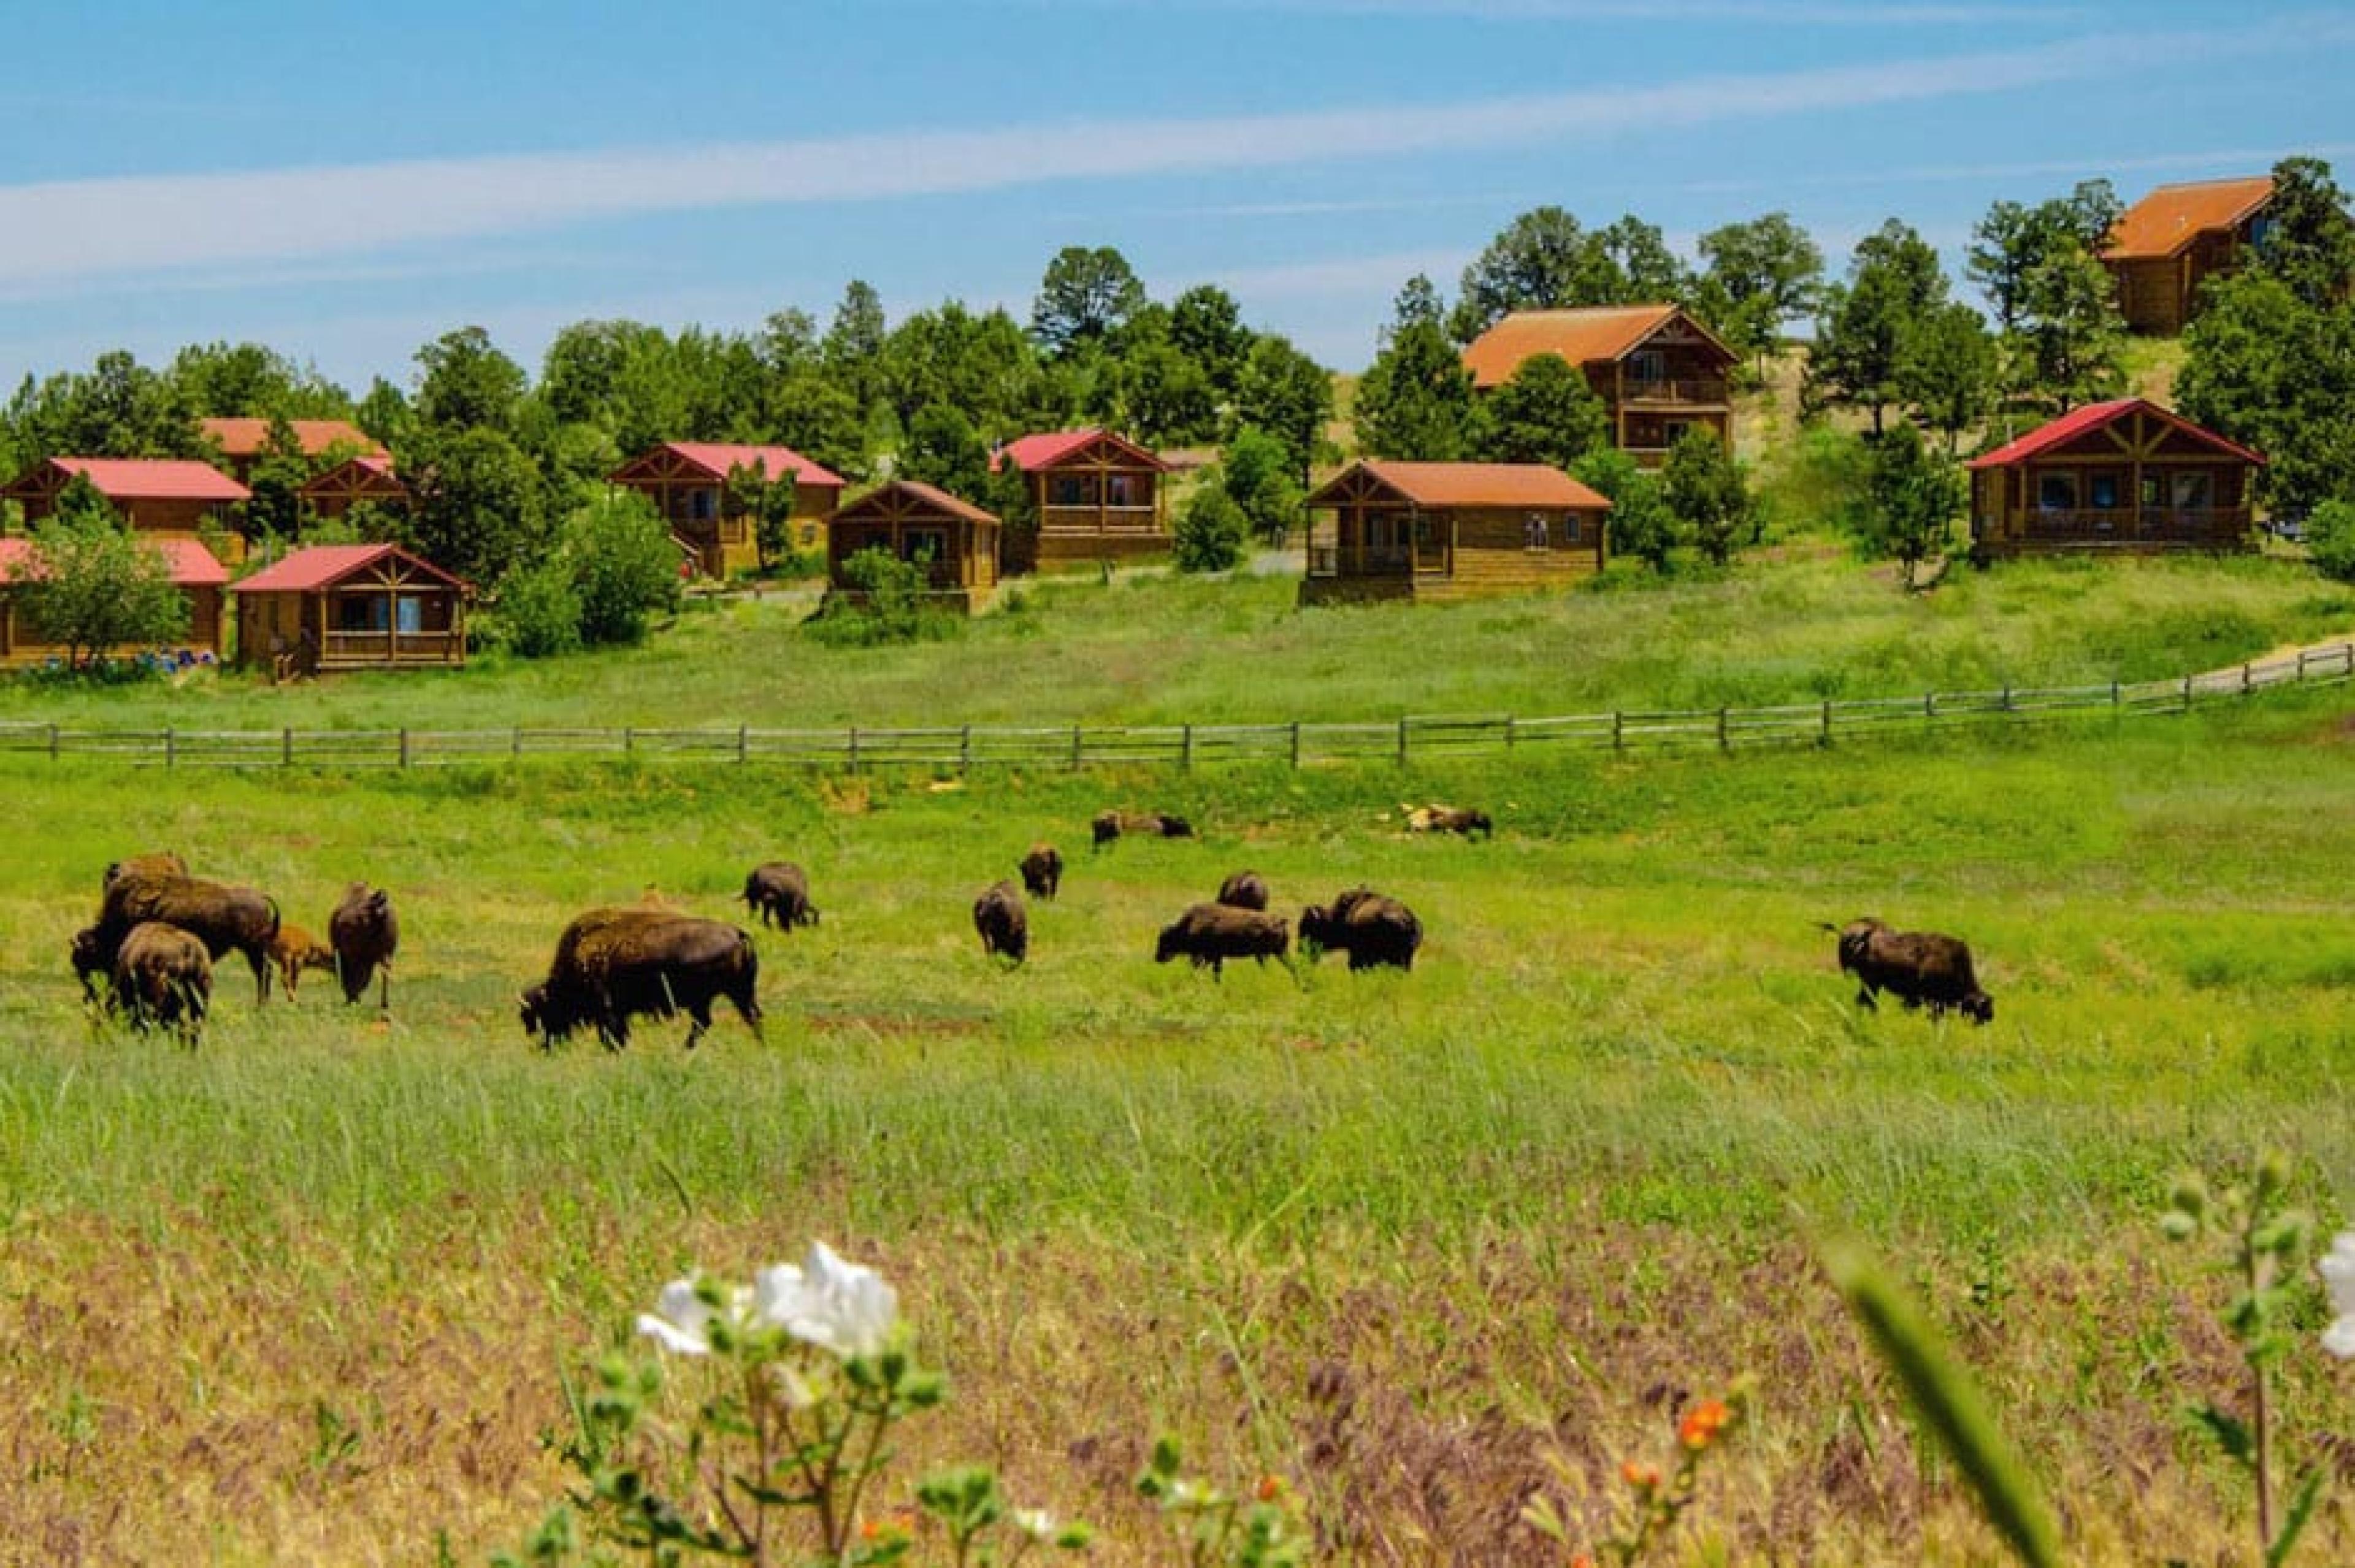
385 647
2138 525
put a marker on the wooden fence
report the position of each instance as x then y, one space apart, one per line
959 749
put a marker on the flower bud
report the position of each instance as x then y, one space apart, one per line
2189 1197
2273 1173
2178 1226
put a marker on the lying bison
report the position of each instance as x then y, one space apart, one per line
613 964
1920 968
1437 818
163 977
293 950
1372 928
223 918
365 935
1211 933
778 892
1042 871
1108 825
1244 890
1003 923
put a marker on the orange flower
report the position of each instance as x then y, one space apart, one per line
1582 1560
1702 1423
1270 1487
1643 1478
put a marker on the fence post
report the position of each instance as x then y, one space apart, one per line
854 748
2187 694
1724 745
965 751
2245 676
743 743
1618 731
1076 744
1828 722
1929 704
1509 731
1295 743
286 747
1401 746
404 745
517 742
2113 693
629 739
53 743
2007 697
1185 746
171 745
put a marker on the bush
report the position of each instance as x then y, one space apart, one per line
885 603
1641 526
623 564
1211 531
2330 539
539 609
1256 474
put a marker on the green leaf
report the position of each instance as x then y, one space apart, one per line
2301 1509
2230 1434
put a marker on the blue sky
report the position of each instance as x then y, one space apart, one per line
346 182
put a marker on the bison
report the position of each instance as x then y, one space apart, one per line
778 892
1372 928
1438 818
364 934
92 965
163 975
223 918
1108 825
1003 924
162 863
611 965
1244 890
293 950
1211 933
1042 871
1920 968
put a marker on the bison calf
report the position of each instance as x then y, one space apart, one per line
778 892
293 950
1002 922
1437 818
1920 968
163 977
1372 928
1042 871
1244 890
364 935
1211 933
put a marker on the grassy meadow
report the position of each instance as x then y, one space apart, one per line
311 1293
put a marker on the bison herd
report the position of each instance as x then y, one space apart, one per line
149 956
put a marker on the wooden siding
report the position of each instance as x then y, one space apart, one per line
694 506
2158 296
2138 484
1369 550
20 647
964 553
383 617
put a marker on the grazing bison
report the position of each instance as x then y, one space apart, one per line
1918 967
223 918
1042 871
163 863
1244 890
1372 928
778 892
163 975
1211 933
364 934
1437 818
611 965
293 950
92 965
1003 923
1109 826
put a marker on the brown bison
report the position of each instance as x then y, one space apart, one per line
1438 818
1244 890
1042 871
163 863
1372 928
163 977
223 918
1003 924
778 892
92 965
1211 933
613 964
364 934
1108 825
293 950
1920 968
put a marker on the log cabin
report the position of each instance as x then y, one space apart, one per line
1097 497
337 607
162 498
688 483
1658 372
956 543
195 572
242 443
2177 238
2124 475
1450 531
365 480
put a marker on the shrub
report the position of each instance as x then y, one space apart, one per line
2330 539
539 609
1211 531
93 586
885 603
623 565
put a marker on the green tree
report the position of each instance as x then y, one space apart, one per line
1767 271
465 383
1288 395
1641 526
1415 400
118 407
2331 538
1084 297
477 504
1912 498
90 585
1642 269
1163 397
249 380
1256 473
766 501
983 365
1547 413
1705 493
538 608
1543 260
943 450
1862 337
623 565
1947 372
2309 240
384 415
280 472
1206 325
2071 339
1211 531
2271 371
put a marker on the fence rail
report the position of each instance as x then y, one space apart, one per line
959 749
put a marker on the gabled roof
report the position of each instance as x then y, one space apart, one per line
1439 485
932 496
323 566
191 564
375 466
2162 223
716 458
2093 417
1046 449
247 438
141 479
1597 334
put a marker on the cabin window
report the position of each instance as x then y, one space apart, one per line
923 546
809 535
1569 529
2192 492
1673 431
1647 367
1069 490
2154 492
2056 492
1422 529
408 614
1124 489
1533 531
2102 492
362 612
699 506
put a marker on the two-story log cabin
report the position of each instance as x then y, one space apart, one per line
242 441
1658 372
1097 497
2124 475
159 497
688 483
2177 238
1450 531
954 541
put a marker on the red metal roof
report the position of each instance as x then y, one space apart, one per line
2162 223
143 479
323 566
1476 484
1046 448
192 565
718 457
246 438
2093 417
1584 337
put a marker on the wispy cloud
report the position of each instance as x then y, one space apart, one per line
1764 13
147 225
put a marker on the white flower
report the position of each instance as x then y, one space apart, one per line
1035 1522
2338 1268
841 1308
681 1320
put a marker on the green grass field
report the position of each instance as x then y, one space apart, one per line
308 1293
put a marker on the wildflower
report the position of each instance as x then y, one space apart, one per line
2338 1268
1643 1478
1702 1423
841 1308
1270 1487
684 1314
1036 1523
